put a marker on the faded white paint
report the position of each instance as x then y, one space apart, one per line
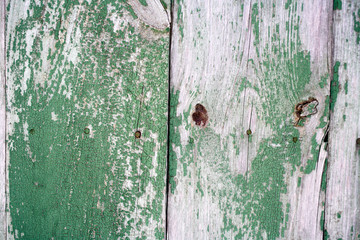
342 215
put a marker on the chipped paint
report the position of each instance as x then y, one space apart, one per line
83 76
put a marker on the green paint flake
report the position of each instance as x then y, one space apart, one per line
311 163
357 26
322 221
346 86
80 172
338 215
326 235
299 182
337 5
198 185
287 4
334 87
255 21
323 81
325 117
163 3
143 2
323 177
344 117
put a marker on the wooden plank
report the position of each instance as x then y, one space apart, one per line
2 124
342 215
83 77
250 174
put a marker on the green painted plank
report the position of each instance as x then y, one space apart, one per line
342 209
251 173
82 78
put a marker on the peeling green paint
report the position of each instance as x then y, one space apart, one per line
323 81
255 22
322 221
254 198
357 26
143 2
323 177
311 163
81 173
346 87
334 88
325 117
337 5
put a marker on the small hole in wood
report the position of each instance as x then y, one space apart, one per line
249 132
86 130
295 139
137 134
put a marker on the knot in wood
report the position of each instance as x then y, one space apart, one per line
200 116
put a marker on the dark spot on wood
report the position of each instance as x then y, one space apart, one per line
137 134
248 132
358 141
32 131
295 139
86 130
200 116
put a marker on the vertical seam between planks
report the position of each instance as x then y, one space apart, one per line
168 122
327 133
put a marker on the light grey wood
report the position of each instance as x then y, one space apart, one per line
2 124
249 63
342 215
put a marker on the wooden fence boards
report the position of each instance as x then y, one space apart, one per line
250 173
82 77
84 127
342 215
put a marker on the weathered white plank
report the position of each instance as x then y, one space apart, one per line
250 173
2 124
342 215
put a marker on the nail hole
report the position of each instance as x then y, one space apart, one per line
200 116
248 132
137 134
86 131
32 131
295 139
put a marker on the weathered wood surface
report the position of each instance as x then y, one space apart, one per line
342 215
82 77
250 174
3 225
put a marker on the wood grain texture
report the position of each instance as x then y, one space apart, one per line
83 76
250 173
3 224
342 215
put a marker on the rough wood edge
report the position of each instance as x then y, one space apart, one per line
3 221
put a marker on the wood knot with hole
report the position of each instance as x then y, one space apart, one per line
304 109
200 116
137 134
